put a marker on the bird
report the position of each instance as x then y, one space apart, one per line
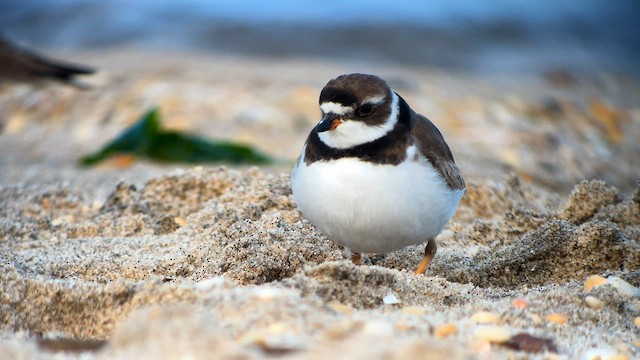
21 65
373 175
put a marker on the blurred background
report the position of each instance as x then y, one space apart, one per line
548 91
465 35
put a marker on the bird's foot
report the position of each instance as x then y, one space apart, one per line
429 254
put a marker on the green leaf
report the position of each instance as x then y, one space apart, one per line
147 139
177 147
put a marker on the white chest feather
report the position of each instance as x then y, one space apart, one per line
374 208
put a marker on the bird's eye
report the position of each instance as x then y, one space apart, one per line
365 110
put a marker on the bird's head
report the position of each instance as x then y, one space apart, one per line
356 109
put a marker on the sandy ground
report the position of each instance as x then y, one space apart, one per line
159 262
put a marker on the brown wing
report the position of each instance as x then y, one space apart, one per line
432 145
22 65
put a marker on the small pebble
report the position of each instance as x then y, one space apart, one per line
520 303
636 321
485 317
623 287
593 302
390 299
445 330
492 333
557 318
593 281
531 344
180 221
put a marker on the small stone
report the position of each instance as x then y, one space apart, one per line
593 281
557 318
70 345
180 221
493 334
520 303
485 317
445 330
636 321
390 299
531 344
593 302
623 287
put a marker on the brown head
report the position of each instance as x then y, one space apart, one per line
356 109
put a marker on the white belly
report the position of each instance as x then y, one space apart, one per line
372 208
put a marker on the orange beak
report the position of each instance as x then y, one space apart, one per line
329 122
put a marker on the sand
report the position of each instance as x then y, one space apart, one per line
161 262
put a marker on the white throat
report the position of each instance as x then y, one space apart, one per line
353 132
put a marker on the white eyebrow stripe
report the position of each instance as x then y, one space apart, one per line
335 108
352 132
375 100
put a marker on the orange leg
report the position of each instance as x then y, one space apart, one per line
429 254
356 258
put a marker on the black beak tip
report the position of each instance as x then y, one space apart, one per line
322 127
324 124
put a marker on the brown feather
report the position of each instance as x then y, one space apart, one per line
431 144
